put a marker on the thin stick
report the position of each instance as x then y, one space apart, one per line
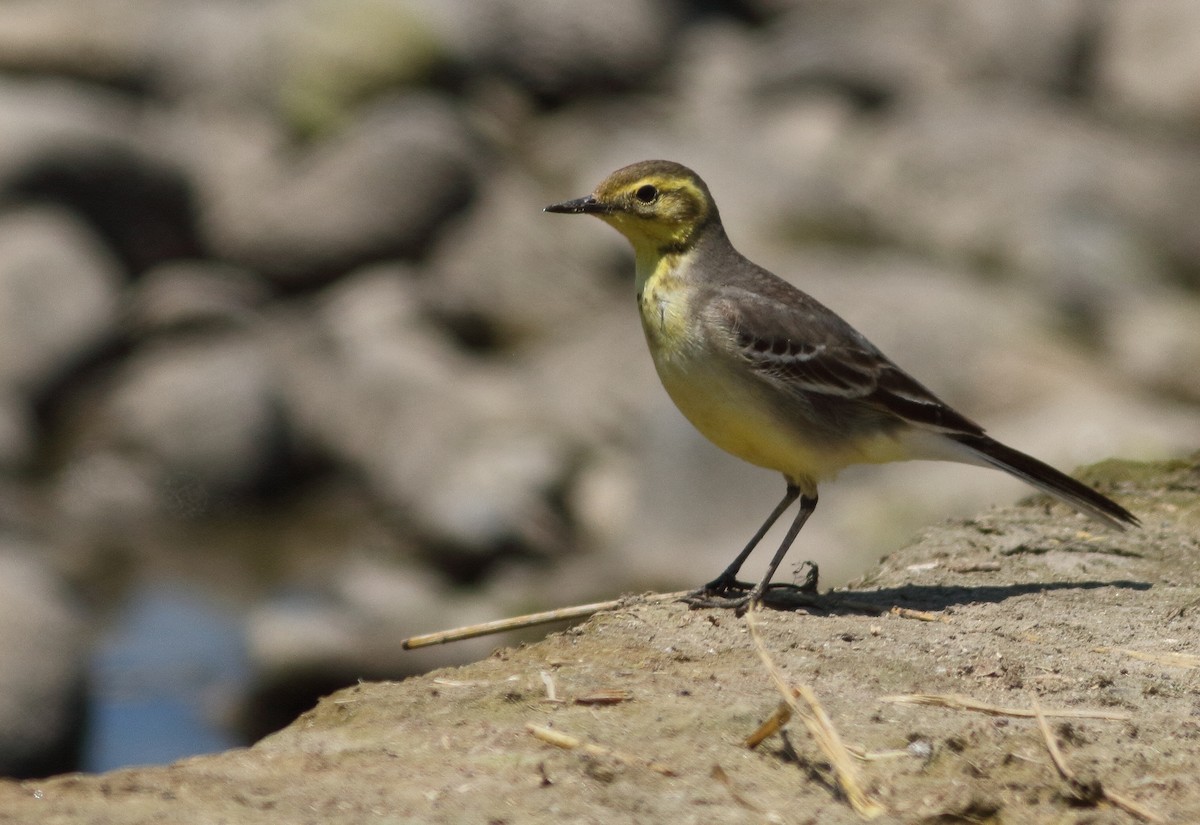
819 727
562 614
568 742
773 724
1080 788
956 701
1188 660
919 615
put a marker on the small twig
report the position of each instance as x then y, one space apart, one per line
605 696
718 774
1086 791
567 742
1187 660
773 724
919 615
820 727
551 688
956 701
1060 764
579 611
863 755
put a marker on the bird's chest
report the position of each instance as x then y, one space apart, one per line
664 318
663 305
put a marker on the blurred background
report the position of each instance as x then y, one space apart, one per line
292 365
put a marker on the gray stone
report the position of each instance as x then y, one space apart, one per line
460 449
100 41
189 294
1146 64
914 47
1155 343
524 272
203 410
378 189
42 666
554 48
222 53
58 295
46 117
16 431
104 495
1010 186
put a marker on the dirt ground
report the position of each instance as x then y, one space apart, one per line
1022 604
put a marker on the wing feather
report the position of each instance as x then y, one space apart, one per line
800 346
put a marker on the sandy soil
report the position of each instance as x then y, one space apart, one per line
1025 602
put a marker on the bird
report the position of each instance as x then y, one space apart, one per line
772 376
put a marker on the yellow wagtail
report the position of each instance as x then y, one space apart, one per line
769 374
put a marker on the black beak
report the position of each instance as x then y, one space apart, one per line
580 206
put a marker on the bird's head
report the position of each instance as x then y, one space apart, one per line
658 205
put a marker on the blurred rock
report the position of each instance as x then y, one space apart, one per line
1146 62
220 53
83 149
102 496
203 411
1006 185
457 448
42 667
80 38
379 189
58 296
337 54
17 439
521 272
190 294
1156 343
42 117
875 52
591 380
558 48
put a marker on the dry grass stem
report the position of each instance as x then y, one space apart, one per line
773 724
718 774
567 742
956 701
562 614
919 615
1187 660
820 727
1085 791
608 696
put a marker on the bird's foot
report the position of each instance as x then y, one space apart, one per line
724 591
697 600
722 585
727 593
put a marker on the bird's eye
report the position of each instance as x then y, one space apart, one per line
646 194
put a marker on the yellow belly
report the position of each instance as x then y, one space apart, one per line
740 422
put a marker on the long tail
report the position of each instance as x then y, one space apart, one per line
1048 480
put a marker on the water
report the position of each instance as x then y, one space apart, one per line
165 679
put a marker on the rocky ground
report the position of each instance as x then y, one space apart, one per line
280 314
1011 608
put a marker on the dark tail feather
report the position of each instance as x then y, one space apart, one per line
1049 480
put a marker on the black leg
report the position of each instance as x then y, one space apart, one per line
716 593
807 505
727 581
